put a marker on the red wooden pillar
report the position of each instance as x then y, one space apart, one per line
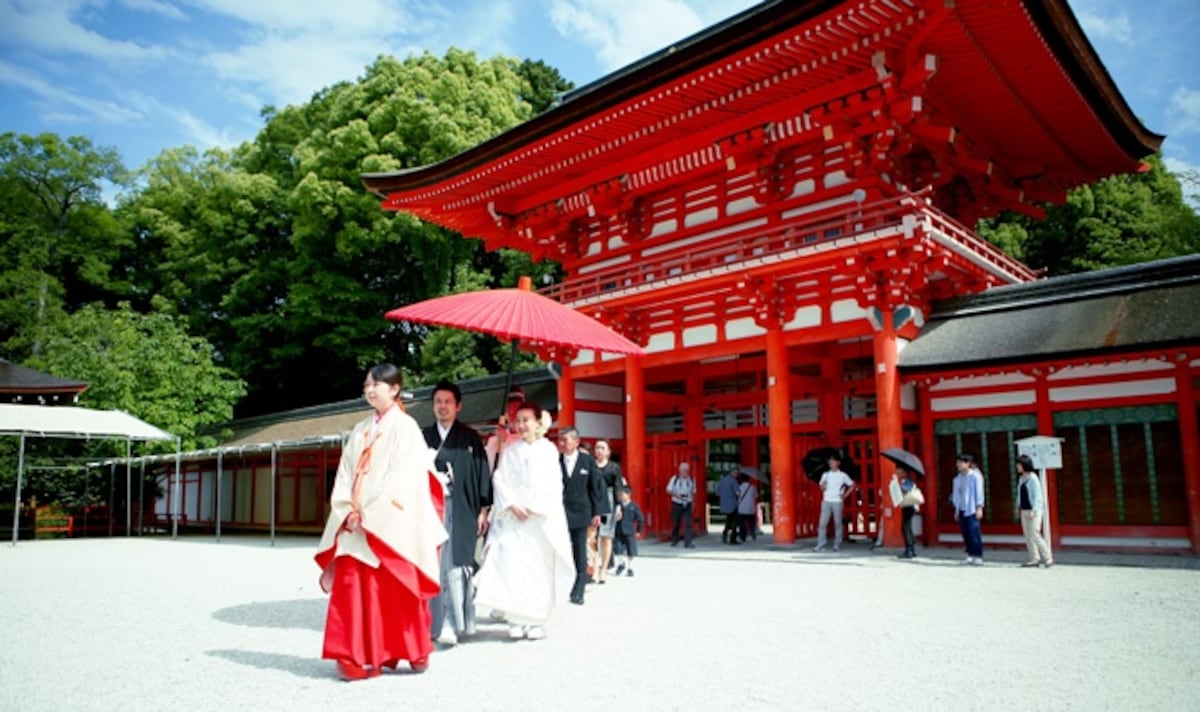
634 464
697 451
1185 395
929 512
779 410
888 419
1045 426
566 397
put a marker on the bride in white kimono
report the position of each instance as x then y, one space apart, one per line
527 566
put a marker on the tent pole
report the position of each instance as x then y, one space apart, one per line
112 475
274 462
17 496
220 473
142 497
178 491
128 486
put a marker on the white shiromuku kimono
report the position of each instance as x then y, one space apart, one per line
527 566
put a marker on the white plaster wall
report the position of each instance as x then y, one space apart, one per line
975 402
1154 387
599 392
1109 369
1003 379
599 425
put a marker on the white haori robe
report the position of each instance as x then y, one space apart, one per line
527 566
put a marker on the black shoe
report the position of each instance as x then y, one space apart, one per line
674 543
630 572
577 600
689 546
589 579
619 570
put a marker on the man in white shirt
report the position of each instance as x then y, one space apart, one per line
835 486
682 489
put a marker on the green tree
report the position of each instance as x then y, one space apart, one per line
146 365
1121 220
58 240
278 256
546 85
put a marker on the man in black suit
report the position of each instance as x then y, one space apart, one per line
460 456
582 498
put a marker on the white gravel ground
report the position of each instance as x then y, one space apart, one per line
151 624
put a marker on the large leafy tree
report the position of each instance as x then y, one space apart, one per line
144 364
278 255
58 240
1120 220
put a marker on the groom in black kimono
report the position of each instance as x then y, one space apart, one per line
460 456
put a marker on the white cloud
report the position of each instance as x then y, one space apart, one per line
624 31
287 51
344 19
156 7
92 109
49 26
289 70
489 32
1117 29
1183 111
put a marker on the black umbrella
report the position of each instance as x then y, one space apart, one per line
904 458
753 473
816 462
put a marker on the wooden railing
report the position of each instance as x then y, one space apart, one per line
727 252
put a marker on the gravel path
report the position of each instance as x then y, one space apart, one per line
147 624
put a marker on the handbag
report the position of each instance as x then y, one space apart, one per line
912 498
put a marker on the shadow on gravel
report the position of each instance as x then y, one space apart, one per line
305 614
310 667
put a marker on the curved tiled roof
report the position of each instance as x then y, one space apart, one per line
1151 305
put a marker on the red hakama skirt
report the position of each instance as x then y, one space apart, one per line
374 617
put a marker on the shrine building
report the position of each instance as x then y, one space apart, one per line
773 207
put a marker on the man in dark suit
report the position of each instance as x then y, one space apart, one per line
460 456
582 498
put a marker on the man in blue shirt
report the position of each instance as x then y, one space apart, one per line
967 497
727 493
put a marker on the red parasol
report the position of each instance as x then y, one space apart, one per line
520 315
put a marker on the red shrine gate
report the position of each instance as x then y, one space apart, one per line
770 206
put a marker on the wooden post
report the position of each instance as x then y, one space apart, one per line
566 397
635 428
889 425
1045 426
929 512
779 410
1185 395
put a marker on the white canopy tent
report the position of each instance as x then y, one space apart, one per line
70 422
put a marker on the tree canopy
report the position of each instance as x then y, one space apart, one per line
1119 220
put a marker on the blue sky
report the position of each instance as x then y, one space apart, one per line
146 75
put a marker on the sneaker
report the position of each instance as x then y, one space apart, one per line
977 561
1048 563
629 572
1031 564
535 632
620 569
447 636
836 547
967 561
819 547
516 632
496 615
